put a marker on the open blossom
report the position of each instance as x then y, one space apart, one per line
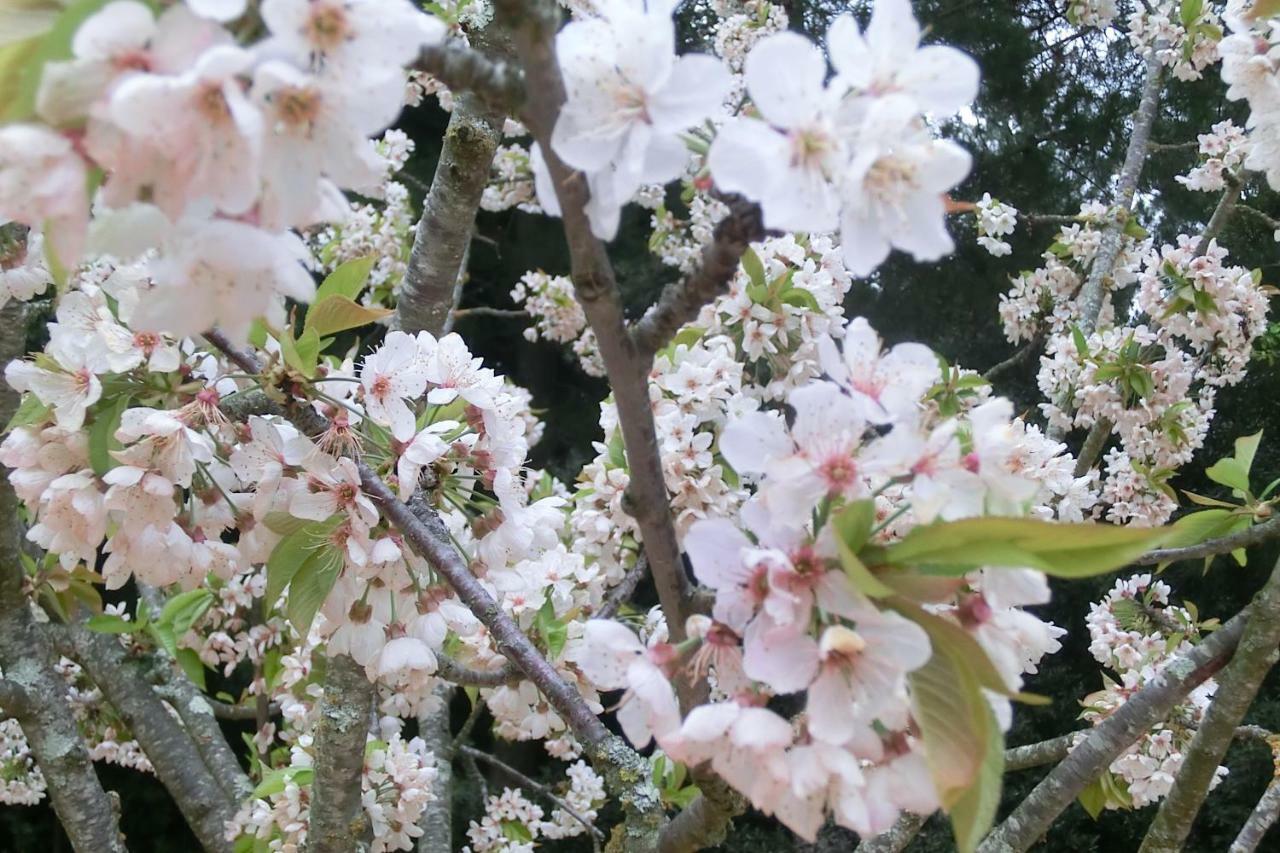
42 185
628 97
887 385
394 373
614 659
853 153
347 37
68 386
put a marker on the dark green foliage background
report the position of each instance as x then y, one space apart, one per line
1052 129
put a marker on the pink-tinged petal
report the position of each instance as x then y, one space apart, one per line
760 729
824 413
784 75
715 549
942 79
745 157
609 648
832 716
751 441
849 51
701 732
314 506
784 660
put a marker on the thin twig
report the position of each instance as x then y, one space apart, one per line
596 835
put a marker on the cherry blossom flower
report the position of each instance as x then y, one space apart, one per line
627 98
615 659
392 374
42 185
887 385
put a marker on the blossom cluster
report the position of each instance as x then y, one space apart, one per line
1156 381
209 150
511 823
995 220
788 620
1224 150
1046 301
1251 70
1183 36
1136 632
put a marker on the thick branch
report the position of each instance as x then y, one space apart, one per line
1109 246
1237 687
437 261
338 822
1031 819
533 26
434 729
1049 751
896 837
465 70
681 302
126 682
1263 816
87 812
1221 213
1268 529
197 715
705 821
1024 354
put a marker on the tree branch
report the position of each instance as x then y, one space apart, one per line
1237 687
542 790
1263 816
681 302
465 70
437 260
1268 529
452 671
1031 819
533 26
196 714
338 822
619 595
1048 751
126 682
625 772
86 811
896 837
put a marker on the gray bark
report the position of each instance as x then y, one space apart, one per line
338 822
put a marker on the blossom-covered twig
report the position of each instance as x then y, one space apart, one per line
542 790
1031 819
533 27
87 813
681 302
1237 687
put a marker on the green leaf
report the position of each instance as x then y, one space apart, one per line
291 552
192 666
617 450
1189 11
102 435
1059 549
975 811
275 781
1094 798
754 269
853 528
553 631
348 279
1196 527
302 354
54 46
1247 449
801 298
30 411
1201 500
106 623
516 831
961 741
1229 472
162 633
184 609
311 586
338 313
284 523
